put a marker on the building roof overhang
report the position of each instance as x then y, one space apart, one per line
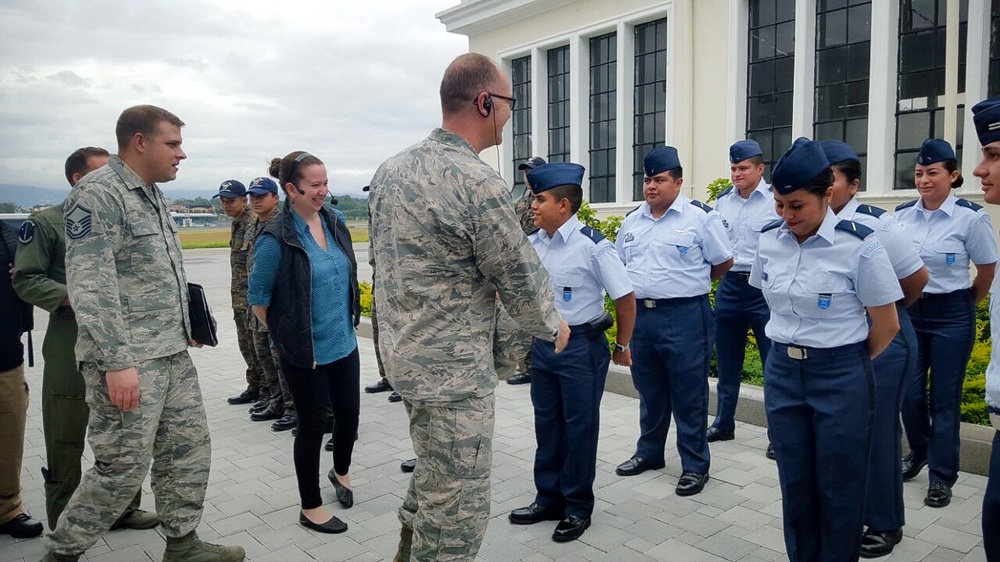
473 17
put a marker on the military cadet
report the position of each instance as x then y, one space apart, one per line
819 275
745 209
233 197
986 117
673 248
125 275
40 279
438 269
950 234
567 387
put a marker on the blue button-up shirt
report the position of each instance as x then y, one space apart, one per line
744 219
895 237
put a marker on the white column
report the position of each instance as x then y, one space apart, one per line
882 97
539 102
579 106
624 128
805 68
736 112
977 69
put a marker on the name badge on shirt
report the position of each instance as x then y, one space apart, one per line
824 301
950 259
567 293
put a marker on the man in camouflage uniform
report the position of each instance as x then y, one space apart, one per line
233 197
446 242
40 279
126 281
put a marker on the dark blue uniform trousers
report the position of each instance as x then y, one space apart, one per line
991 506
738 306
894 366
820 412
566 391
671 347
946 329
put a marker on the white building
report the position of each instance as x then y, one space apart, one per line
600 82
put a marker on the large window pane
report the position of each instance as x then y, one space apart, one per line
558 103
520 79
770 74
603 109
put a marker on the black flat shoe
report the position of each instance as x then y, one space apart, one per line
520 378
534 513
22 526
938 495
285 423
715 434
912 465
570 528
264 415
381 386
638 465
879 543
344 494
395 397
258 406
408 465
245 397
690 483
333 526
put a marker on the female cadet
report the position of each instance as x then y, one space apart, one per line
884 507
819 275
949 233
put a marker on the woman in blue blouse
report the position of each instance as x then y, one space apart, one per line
304 286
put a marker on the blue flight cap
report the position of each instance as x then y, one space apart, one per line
935 150
231 189
741 150
660 160
531 163
837 151
547 176
799 165
986 116
263 186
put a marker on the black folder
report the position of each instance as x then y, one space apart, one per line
204 330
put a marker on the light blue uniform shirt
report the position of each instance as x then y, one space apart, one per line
993 370
672 256
817 290
582 265
891 233
948 239
744 219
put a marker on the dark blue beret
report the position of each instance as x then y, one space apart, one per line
741 150
986 116
263 186
531 163
935 150
545 177
231 189
837 151
660 160
799 165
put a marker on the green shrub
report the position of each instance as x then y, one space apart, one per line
716 188
366 298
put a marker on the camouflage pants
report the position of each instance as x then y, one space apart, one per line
241 316
274 386
13 413
448 503
168 430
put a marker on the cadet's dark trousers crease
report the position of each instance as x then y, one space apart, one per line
670 354
13 415
991 505
884 506
738 307
168 430
946 328
566 391
316 391
820 412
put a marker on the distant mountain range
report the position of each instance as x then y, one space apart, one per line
27 196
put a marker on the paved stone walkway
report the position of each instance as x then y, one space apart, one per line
252 498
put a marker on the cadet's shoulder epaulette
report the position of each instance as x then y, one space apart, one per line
871 210
701 206
594 234
633 210
855 228
968 204
906 205
726 192
772 225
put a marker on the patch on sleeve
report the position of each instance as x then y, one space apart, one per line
78 222
871 248
26 233
983 217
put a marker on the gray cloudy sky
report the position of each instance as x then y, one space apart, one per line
350 81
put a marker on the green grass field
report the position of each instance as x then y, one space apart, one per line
219 237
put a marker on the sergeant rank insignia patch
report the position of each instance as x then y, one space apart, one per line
78 222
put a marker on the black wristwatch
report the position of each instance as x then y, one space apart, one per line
620 347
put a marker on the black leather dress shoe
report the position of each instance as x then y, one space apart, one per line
520 378
715 434
769 453
258 405
570 528
534 513
637 465
395 397
690 483
285 423
22 526
938 495
912 465
381 386
333 526
245 397
408 465
344 494
879 543
264 415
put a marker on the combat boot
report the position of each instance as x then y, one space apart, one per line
405 543
191 549
137 519
53 557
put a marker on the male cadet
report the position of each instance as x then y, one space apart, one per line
233 197
986 116
446 242
125 275
673 248
566 388
745 209
40 279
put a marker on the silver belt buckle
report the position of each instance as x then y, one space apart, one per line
798 353
649 303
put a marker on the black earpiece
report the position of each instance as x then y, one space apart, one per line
488 105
